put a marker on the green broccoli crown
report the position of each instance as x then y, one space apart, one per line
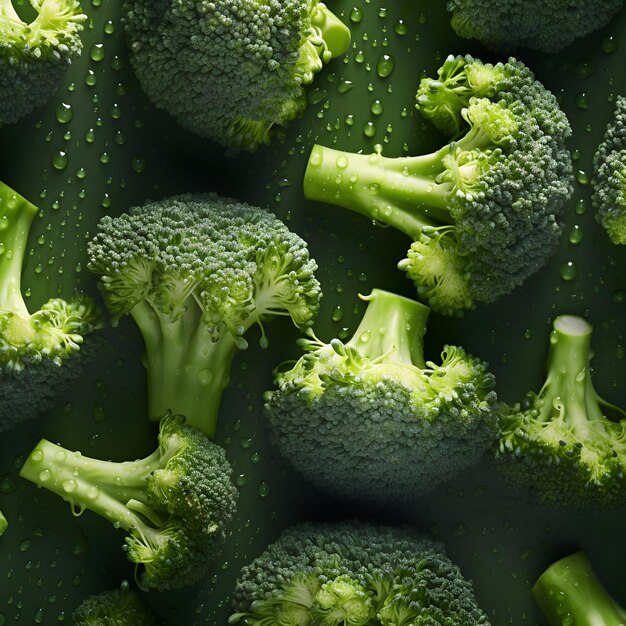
196 272
609 180
549 26
34 56
175 504
564 446
120 607
353 574
570 590
40 353
371 420
483 211
231 69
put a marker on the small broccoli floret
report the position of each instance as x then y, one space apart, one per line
353 574
546 25
121 607
229 70
175 504
40 353
34 56
568 592
371 420
609 180
484 210
3 523
563 443
195 272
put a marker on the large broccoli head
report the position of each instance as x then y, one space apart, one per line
34 56
231 69
354 574
196 272
175 505
484 210
546 25
41 352
120 607
371 420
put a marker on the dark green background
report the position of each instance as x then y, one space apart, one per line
49 560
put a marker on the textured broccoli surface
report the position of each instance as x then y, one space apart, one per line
609 179
484 210
175 504
120 607
569 592
40 353
566 444
231 69
34 56
195 272
371 420
354 574
546 25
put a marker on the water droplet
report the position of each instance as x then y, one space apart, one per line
460 530
610 44
385 66
25 545
115 111
70 486
99 412
205 377
377 107
356 15
569 270
264 489
59 160
344 86
401 28
576 234
245 443
337 314
581 207
97 52
581 100
241 480
138 164
369 129
582 178
359 57
64 113
349 120
619 296
91 79
109 27
585 69
527 334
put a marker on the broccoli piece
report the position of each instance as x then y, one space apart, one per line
546 25
354 574
195 272
34 57
121 607
370 419
609 180
3 523
175 504
40 353
483 211
568 592
562 443
229 70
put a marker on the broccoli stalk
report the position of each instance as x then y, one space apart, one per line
174 504
3 523
569 592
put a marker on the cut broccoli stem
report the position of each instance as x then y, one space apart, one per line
334 32
3 523
7 11
16 217
392 329
401 192
569 592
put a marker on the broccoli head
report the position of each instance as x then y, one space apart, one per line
195 272
40 353
34 56
609 180
566 443
545 25
569 592
484 210
175 505
121 607
229 70
354 574
371 420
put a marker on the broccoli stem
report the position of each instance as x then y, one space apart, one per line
402 192
187 369
569 592
16 218
392 329
7 11
334 32
3 523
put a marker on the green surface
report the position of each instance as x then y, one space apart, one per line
49 560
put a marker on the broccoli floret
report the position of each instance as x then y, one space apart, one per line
34 56
370 419
231 69
483 211
121 607
563 443
195 272
354 574
568 592
609 180
175 504
40 353
3 523
546 25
